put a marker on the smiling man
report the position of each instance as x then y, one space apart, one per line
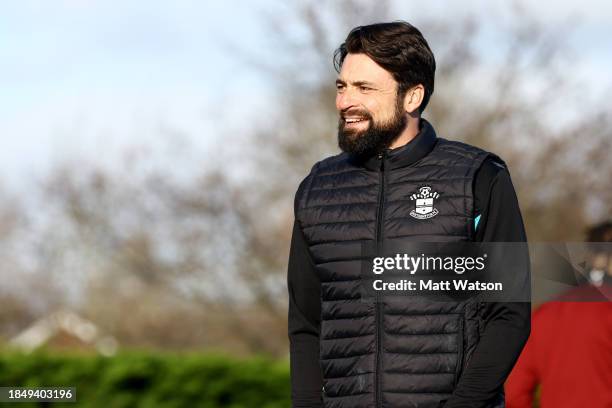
379 96
396 181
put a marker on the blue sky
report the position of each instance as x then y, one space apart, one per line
85 79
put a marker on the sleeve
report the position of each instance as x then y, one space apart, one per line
507 324
522 382
303 324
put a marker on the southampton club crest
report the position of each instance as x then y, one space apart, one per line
424 203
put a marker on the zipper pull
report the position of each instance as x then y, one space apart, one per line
381 157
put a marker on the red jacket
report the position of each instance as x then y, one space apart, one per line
569 354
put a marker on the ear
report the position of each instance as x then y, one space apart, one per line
414 97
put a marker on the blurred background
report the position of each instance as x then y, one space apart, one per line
151 151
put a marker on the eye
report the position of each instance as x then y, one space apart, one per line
339 87
364 88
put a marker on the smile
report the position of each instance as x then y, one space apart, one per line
355 120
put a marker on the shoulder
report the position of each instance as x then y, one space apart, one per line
479 159
491 167
455 146
468 149
492 177
328 165
487 165
333 163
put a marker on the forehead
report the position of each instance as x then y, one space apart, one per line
360 67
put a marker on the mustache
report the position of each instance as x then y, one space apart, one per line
355 112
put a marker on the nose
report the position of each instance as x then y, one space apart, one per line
345 100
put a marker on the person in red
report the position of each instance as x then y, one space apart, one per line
569 352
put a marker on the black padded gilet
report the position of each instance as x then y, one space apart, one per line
418 349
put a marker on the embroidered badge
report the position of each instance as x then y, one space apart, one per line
424 203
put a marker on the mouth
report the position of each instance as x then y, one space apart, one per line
355 121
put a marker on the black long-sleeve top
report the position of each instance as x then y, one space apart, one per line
507 324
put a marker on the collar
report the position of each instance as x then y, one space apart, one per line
405 155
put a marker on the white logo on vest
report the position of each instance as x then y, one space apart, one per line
424 203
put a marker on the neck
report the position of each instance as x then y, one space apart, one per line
410 131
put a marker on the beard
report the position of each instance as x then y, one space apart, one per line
376 137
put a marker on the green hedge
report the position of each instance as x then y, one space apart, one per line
148 379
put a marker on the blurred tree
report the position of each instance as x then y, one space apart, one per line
503 103
167 262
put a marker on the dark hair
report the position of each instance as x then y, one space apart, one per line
596 234
398 47
600 233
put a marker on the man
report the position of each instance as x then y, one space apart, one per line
569 353
346 352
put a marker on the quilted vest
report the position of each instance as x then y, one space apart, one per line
389 354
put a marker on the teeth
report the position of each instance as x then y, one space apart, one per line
353 120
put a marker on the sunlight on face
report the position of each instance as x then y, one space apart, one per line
364 89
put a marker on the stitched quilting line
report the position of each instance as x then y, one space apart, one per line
347 337
421 181
342 280
348 375
339 204
417 372
394 333
417 392
347 356
346 395
337 173
386 220
342 187
337 222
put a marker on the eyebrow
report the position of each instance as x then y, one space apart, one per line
355 83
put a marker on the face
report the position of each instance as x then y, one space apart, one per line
371 115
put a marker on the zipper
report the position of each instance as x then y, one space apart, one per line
377 306
459 351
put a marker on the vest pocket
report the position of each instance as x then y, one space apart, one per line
459 366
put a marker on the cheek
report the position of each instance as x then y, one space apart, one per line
338 96
374 106
381 110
